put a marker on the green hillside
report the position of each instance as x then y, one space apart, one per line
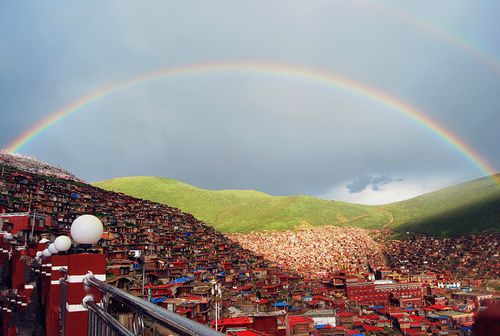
247 210
469 207
473 206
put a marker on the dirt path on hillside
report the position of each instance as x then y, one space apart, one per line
391 220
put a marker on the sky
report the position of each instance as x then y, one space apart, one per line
249 130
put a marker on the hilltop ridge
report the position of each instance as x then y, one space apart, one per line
469 207
248 210
35 166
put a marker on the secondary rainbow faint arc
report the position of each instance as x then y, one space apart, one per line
439 33
280 70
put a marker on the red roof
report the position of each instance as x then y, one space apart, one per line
370 328
235 321
416 317
292 320
440 307
181 310
159 286
245 333
245 288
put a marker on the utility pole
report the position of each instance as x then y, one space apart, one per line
143 272
33 220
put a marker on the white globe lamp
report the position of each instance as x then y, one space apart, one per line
46 253
86 229
38 255
52 249
62 243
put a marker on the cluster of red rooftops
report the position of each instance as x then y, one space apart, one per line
179 259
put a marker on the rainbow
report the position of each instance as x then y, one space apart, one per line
269 69
460 43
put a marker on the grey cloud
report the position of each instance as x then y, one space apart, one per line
281 135
359 184
375 183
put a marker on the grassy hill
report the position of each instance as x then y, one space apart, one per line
473 206
248 210
469 207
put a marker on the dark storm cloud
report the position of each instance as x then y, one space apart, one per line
247 130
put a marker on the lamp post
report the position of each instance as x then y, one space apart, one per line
86 230
52 249
62 243
58 260
217 293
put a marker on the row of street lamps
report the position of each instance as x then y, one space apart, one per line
85 230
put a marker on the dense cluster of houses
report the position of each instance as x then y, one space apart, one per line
469 257
29 164
180 259
317 250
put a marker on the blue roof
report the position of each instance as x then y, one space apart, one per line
280 304
181 280
158 300
378 307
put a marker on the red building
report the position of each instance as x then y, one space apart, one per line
384 292
17 222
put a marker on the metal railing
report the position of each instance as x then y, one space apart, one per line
62 307
101 323
100 318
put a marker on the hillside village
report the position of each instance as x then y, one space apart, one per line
333 281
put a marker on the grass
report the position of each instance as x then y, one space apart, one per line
247 210
469 207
